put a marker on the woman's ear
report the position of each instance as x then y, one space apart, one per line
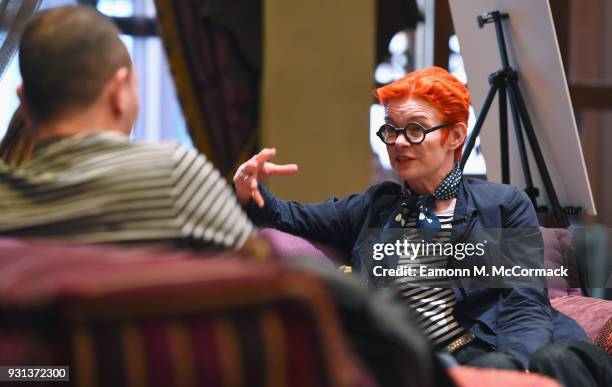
456 136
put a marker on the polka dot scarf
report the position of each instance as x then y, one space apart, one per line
427 222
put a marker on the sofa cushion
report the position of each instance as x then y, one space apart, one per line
288 245
590 313
559 251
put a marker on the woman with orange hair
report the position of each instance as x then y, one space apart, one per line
426 115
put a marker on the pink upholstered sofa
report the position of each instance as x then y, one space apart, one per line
593 315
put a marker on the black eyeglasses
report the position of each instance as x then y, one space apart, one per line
413 132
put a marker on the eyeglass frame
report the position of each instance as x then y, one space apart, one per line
403 130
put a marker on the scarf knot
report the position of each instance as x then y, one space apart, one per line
427 222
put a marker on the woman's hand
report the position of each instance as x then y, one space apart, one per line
258 166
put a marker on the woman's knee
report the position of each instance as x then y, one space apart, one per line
562 353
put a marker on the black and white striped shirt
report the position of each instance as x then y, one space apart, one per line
431 297
103 188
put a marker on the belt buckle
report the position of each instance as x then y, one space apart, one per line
460 342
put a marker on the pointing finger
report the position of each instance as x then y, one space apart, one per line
275 169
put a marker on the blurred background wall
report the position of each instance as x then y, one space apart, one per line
316 93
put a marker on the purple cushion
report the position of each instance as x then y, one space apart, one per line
559 251
288 245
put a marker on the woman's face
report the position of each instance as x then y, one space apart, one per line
428 160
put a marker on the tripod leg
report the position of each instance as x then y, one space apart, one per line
478 125
531 191
560 217
503 134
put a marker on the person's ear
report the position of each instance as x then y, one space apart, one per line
456 136
24 106
20 94
119 93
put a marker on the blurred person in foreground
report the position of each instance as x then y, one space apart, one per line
424 131
86 182
17 144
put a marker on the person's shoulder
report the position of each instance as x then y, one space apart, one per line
109 142
373 194
376 190
173 152
380 195
166 146
163 156
384 188
480 185
495 191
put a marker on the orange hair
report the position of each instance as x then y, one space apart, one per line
438 87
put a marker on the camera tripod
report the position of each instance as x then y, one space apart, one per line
504 83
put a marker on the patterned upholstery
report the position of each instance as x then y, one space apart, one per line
163 318
605 337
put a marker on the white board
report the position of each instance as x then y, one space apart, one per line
534 53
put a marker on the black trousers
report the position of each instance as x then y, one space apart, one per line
572 362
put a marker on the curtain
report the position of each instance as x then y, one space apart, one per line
14 14
214 51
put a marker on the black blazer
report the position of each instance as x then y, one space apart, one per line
515 320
